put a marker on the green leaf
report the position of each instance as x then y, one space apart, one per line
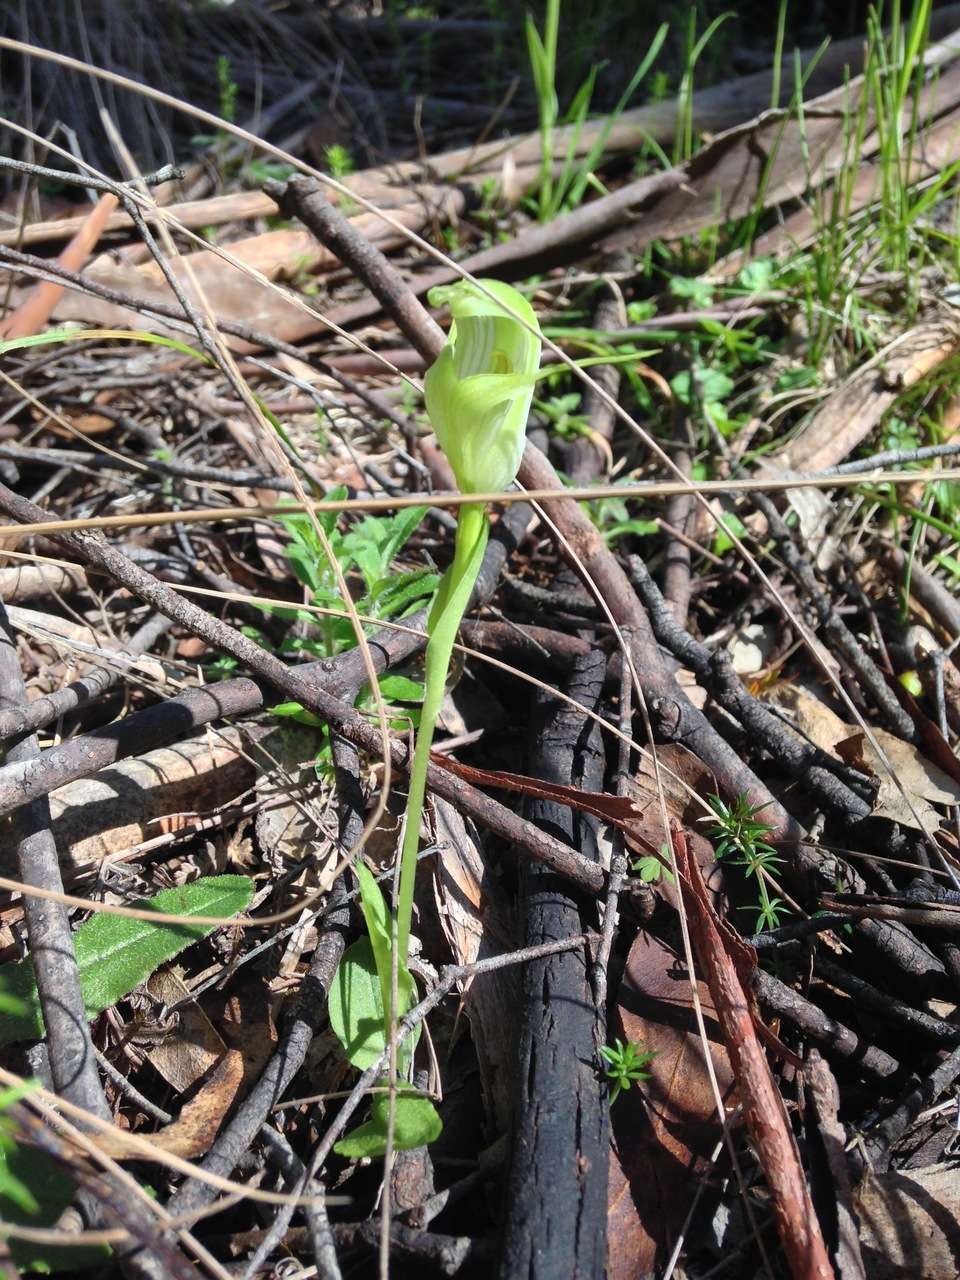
377 919
757 275
706 385
407 593
34 1191
115 954
415 1124
355 1005
732 523
698 291
793 379
401 688
294 711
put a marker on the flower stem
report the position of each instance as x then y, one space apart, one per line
453 596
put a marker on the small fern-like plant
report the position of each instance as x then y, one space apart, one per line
740 835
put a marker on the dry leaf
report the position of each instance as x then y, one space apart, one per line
813 717
923 783
193 1132
188 1054
910 1224
288 821
664 1143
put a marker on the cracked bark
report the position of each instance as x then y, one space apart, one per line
557 1188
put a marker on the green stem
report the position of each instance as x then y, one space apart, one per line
448 609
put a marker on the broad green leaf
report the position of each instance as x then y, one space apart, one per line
710 385
115 954
698 291
757 275
34 1191
415 1124
730 523
356 1006
403 689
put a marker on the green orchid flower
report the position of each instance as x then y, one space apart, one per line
478 392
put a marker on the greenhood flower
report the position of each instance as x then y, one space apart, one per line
478 390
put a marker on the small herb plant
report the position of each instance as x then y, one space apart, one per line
740 835
368 548
624 1065
561 413
478 394
652 868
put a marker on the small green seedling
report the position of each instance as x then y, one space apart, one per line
652 868
478 394
740 835
625 1065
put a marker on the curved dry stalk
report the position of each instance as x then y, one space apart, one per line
644 490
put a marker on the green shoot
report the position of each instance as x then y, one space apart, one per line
625 1065
369 549
652 868
554 194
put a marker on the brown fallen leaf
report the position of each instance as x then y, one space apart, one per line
252 1037
924 783
186 1056
664 1141
193 1132
910 1224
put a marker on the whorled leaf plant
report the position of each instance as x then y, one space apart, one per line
478 394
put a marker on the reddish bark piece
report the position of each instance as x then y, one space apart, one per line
642 826
664 1139
619 811
35 310
726 966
